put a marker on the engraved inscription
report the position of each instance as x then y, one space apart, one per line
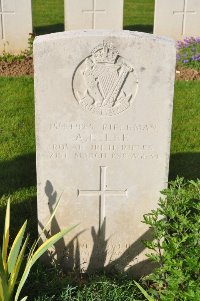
184 14
105 83
102 193
93 11
3 11
89 141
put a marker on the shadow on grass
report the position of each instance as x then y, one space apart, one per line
140 28
185 165
17 173
40 30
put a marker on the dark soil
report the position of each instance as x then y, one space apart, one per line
17 67
25 67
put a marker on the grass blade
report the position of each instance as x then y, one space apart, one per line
147 296
6 235
14 252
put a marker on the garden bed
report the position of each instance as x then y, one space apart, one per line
25 67
187 74
17 67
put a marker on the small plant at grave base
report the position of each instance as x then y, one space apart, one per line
9 58
176 230
29 52
146 295
188 53
11 264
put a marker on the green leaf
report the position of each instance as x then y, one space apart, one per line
45 228
40 251
24 299
147 296
14 252
3 283
6 235
48 243
14 275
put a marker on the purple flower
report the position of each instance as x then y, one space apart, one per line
196 57
185 44
185 61
178 57
179 44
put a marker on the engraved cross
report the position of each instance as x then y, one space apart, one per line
103 193
93 11
184 12
2 14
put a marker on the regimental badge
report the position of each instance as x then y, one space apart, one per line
105 83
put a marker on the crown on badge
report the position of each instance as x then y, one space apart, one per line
105 53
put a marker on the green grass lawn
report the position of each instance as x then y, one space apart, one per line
17 151
185 147
48 15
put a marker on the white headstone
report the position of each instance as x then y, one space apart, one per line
94 14
177 18
15 25
103 124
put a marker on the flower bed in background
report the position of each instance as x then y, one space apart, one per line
188 53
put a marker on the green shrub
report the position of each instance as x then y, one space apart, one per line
176 244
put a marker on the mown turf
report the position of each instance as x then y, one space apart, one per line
185 147
51 285
139 15
17 151
48 15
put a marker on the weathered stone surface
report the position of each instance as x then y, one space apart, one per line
94 14
103 124
177 19
15 25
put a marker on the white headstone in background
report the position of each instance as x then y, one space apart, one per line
15 25
94 14
177 18
103 124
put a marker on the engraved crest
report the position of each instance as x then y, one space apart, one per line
105 83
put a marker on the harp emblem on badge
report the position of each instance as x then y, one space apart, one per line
105 87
